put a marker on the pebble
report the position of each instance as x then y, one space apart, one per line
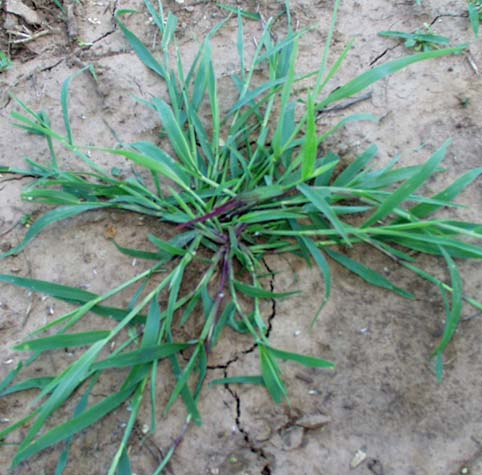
358 458
313 421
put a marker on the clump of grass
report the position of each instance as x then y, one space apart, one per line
251 182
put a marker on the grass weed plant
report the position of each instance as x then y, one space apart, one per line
421 40
251 182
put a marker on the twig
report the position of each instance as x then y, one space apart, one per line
347 104
27 38
72 27
471 62
470 317
11 228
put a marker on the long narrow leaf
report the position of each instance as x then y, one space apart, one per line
142 52
318 198
423 210
239 380
32 383
453 316
367 274
308 361
258 292
140 356
403 192
376 74
271 375
63 431
64 98
310 146
62 341
49 218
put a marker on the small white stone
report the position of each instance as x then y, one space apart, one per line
358 458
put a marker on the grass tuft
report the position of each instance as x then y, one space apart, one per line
253 181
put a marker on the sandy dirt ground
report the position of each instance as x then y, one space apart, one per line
383 400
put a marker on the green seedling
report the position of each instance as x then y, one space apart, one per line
421 40
5 62
475 15
249 182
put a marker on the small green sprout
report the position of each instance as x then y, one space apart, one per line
5 62
26 220
474 9
421 40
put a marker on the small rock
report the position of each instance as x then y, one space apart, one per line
11 22
289 439
358 458
17 8
313 421
262 431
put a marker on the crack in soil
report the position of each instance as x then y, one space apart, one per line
22 78
242 430
105 35
115 6
273 300
250 444
450 15
381 55
225 366
50 67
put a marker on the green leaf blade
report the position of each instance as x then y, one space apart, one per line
408 187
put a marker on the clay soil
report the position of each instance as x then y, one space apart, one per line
383 399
